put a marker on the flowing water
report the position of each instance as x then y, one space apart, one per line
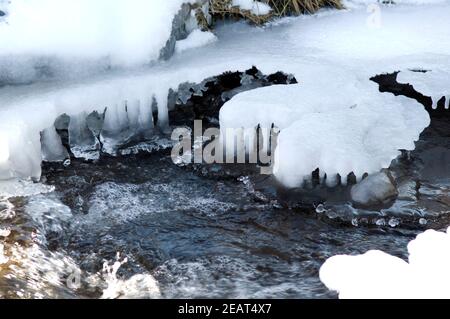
139 226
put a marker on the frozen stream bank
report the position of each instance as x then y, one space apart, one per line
226 231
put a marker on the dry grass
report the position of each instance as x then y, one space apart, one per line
280 8
288 7
224 8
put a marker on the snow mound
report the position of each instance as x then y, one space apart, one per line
196 39
434 83
255 7
124 32
355 129
376 274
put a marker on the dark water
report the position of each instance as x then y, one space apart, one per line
196 236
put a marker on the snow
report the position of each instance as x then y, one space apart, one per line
376 274
196 39
435 84
337 133
332 54
256 7
350 4
122 31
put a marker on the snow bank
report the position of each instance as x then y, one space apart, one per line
122 31
376 274
354 129
196 39
435 84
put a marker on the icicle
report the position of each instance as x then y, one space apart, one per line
265 139
332 180
116 119
146 114
307 182
436 100
322 176
52 147
250 144
163 112
82 141
344 180
133 110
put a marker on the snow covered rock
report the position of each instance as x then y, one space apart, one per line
376 274
376 189
354 130
192 17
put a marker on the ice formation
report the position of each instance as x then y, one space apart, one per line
376 274
332 54
434 83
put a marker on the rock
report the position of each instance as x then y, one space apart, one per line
191 16
377 189
2 14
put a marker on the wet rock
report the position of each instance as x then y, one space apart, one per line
377 189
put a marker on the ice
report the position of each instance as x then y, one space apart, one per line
376 274
196 39
52 147
434 83
255 7
332 55
83 142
